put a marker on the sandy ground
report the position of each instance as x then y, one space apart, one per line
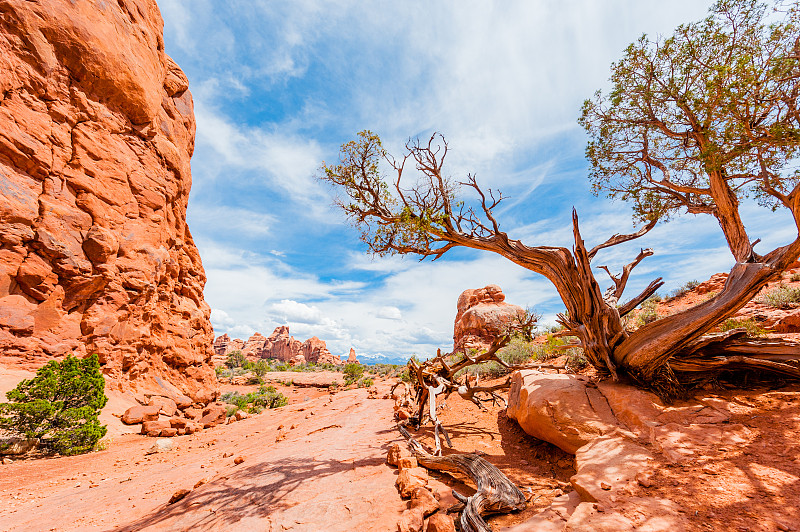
328 471
319 464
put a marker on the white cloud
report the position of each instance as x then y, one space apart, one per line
292 311
389 313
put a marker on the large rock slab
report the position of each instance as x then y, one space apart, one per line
96 134
482 316
560 409
608 464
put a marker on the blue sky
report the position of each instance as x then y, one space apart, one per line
280 85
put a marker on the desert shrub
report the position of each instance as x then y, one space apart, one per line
352 372
576 359
648 312
261 367
281 367
386 370
254 380
781 297
750 325
518 351
366 382
236 359
254 402
405 376
552 347
678 292
59 406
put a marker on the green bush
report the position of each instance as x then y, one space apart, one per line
366 382
59 406
261 368
781 297
648 312
254 402
236 359
678 292
750 325
352 372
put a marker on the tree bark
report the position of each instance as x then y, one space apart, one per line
495 493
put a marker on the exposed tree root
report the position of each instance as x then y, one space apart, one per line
495 492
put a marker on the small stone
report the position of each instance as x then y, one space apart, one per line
411 521
7 461
161 445
407 461
644 479
201 482
409 479
178 495
708 470
396 453
238 460
423 499
440 522
605 486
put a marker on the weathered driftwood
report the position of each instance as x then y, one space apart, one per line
494 494
436 378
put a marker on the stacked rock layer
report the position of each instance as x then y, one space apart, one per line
96 133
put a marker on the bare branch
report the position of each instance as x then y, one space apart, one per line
619 239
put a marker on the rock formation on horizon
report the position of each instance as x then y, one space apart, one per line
351 357
96 133
279 345
482 316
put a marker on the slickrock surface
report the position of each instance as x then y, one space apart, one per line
315 465
721 461
482 316
96 133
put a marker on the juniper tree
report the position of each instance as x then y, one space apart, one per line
693 123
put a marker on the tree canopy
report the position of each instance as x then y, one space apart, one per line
703 118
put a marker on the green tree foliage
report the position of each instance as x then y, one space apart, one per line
703 118
352 372
254 402
236 359
59 406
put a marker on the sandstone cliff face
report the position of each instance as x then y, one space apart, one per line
96 133
482 316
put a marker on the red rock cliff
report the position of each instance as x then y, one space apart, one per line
96 133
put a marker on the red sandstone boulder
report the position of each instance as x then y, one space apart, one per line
138 414
297 360
154 428
560 409
213 415
440 522
424 500
96 134
482 316
165 404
